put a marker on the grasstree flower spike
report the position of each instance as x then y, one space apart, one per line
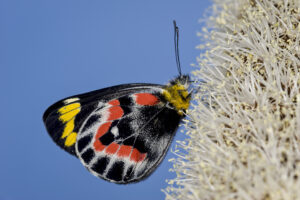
244 127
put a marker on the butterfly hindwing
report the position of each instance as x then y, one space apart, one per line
125 138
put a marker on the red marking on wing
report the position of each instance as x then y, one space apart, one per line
101 131
137 156
146 99
115 112
112 148
115 102
98 146
124 151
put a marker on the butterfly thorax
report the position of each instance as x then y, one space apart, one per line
176 93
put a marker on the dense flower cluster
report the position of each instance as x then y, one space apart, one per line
244 127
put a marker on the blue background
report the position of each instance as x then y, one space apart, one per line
53 49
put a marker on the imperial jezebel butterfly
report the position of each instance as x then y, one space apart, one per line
121 133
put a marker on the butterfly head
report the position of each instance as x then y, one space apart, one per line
177 94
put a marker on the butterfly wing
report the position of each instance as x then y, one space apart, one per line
120 133
64 118
126 138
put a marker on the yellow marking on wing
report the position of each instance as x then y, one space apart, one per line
69 111
68 108
68 128
71 139
67 116
177 95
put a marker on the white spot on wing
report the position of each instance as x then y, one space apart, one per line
67 101
115 131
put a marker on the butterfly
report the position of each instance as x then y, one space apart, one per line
121 133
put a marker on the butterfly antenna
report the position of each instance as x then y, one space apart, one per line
176 38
